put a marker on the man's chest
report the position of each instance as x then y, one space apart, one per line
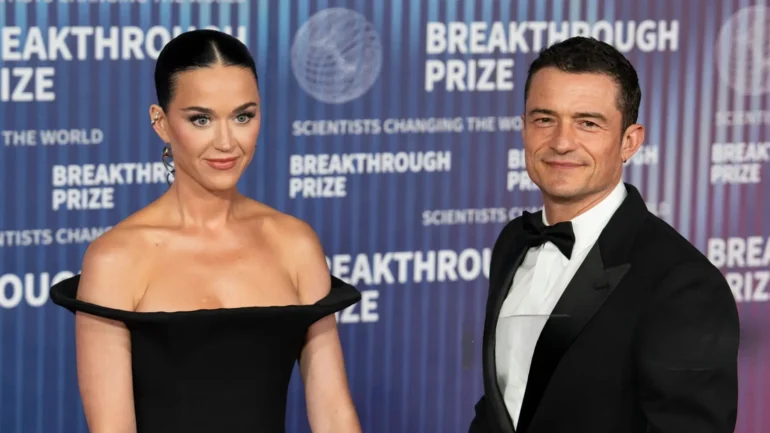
539 282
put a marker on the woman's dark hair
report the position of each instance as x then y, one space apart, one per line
580 55
194 50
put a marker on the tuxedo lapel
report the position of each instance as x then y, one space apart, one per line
600 273
501 280
584 295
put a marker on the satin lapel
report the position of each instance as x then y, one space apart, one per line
501 286
583 296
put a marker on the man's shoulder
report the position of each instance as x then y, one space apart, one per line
503 243
683 274
662 235
506 234
661 245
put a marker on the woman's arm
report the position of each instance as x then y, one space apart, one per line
329 405
103 346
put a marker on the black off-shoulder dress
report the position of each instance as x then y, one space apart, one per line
216 370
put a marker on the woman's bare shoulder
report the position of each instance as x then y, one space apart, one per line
114 264
291 231
300 249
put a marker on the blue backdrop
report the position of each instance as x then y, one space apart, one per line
392 127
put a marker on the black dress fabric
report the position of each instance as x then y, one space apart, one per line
216 370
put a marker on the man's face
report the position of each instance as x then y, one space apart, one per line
573 137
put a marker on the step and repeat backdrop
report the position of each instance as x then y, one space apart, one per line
408 165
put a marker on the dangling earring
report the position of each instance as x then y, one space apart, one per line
168 159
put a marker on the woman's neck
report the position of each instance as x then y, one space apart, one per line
201 208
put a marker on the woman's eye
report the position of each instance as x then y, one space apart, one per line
199 120
244 117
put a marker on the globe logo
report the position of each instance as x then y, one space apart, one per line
336 55
743 51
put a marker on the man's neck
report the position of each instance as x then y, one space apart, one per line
557 210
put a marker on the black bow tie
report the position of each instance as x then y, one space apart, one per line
560 234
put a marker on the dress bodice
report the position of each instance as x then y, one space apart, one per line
217 370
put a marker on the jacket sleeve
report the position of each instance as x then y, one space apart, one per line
687 350
480 422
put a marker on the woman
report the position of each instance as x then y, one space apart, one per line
192 312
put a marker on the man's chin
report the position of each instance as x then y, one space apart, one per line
563 193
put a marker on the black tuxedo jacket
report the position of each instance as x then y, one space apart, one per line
649 342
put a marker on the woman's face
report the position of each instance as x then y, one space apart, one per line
212 125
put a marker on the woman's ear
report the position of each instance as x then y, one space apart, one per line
159 123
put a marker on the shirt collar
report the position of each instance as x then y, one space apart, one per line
589 225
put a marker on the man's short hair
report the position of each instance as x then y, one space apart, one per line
588 55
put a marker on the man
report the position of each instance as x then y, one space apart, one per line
600 316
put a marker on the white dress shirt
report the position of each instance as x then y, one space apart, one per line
537 286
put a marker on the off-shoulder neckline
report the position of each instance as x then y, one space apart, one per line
64 293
